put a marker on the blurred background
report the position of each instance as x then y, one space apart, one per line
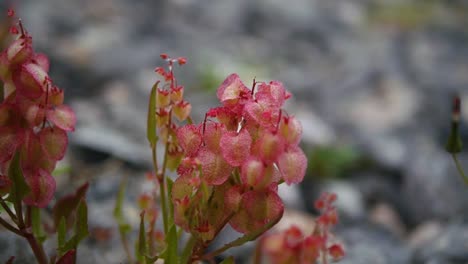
372 83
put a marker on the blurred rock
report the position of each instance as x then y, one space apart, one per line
385 215
350 202
365 243
432 187
450 246
424 234
13 245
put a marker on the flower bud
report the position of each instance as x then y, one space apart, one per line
182 110
177 94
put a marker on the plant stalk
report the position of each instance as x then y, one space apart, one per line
37 248
459 168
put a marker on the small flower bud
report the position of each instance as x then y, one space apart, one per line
336 251
177 94
182 60
10 12
162 98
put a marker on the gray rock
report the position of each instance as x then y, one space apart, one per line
451 246
365 243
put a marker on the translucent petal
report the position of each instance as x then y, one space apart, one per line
42 186
54 142
292 165
189 138
63 117
235 147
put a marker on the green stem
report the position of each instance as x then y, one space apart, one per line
37 248
257 258
162 188
459 168
123 239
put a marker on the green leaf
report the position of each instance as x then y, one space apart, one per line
184 258
61 236
68 204
19 188
61 171
124 227
171 241
151 123
229 260
37 229
81 228
142 245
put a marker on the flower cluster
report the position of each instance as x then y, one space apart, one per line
33 118
170 103
233 162
292 246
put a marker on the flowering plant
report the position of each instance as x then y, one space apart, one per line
33 136
227 167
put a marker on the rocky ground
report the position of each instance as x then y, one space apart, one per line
372 83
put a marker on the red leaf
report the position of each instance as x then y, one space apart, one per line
68 204
68 258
